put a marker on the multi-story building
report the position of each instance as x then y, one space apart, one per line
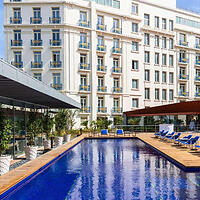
111 55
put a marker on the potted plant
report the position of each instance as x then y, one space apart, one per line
5 131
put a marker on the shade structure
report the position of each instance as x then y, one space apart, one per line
19 88
183 108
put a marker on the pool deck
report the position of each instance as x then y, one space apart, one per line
183 156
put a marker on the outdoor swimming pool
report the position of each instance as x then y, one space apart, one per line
118 169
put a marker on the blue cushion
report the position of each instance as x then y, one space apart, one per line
119 131
104 132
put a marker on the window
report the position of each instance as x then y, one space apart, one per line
17 57
100 102
171 60
164 23
171 43
56 78
56 56
134 27
56 35
55 13
171 95
100 40
146 57
100 81
164 94
37 57
83 16
197 41
83 37
135 103
164 59
100 20
116 4
135 64
146 39
83 102
197 72
197 57
37 35
164 42
182 37
135 46
115 43
182 71
156 22
146 20
182 54
157 76
116 82
157 55
38 76
100 61
164 77
116 62
17 36
147 75
134 84
115 23
157 94
171 77
16 13
157 41
83 79
182 87
83 58
36 12
171 25
116 102
147 93
134 9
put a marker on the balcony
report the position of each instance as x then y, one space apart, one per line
117 89
36 43
54 20
197 46
84 23
16 43
116 50
117 110
84 66
101 48
183 43
15 0
102 110
36 20
85 88
36 65
17 64
197 78
117 70
85 110
183 60
197 94
55 43
183 94
101 27
101 88
84 45
183 77
55 64
197 62
57 86
117 30
101 68
15 20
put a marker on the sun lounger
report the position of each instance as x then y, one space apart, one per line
163 134
159 133
191 142
184 139
175 137
120 132
168 135
104 132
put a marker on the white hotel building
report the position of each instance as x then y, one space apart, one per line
111 55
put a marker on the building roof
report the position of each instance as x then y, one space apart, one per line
183 108
20 89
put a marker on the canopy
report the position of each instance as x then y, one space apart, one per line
183 108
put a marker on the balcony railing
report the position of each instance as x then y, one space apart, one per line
57 86
102 88
36 65
17 64
15 20
183 77
198 46
36 43
101 48
117 50
84 66
101 68
55 43
36 20
197 94
197 62
85 88
102 27
117 69
84 23
183 60
54 20
117 110
117 89
16 43
85 110
84 45
197 78
183 94
102 110
15 0
183 43
55 64
117 30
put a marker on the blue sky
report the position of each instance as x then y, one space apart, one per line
186 4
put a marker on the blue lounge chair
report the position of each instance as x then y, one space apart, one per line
163 134
175 137
104 132
119 132
168 135
184 139
191 141
159 133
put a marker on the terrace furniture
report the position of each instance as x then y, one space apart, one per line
168 135
191 141
163 134
184 139
175 137
120 132
159 133
104 132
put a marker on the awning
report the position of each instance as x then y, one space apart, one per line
19 88
183 108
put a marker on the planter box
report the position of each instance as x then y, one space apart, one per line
4 164
31 152
47 144
67 138
58 141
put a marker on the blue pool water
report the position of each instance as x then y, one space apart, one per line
110 169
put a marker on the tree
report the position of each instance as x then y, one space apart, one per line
61 121
47 124
71 114
85 124
103 123
134 121
118 120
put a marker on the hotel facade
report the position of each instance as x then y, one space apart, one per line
110 55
